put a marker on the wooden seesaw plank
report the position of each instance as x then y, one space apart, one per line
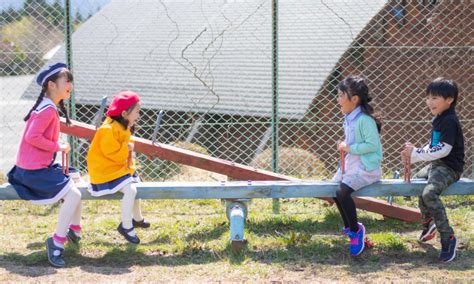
236 171
263 189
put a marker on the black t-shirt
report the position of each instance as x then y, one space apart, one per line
447 129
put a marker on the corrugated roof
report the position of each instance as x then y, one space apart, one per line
138 45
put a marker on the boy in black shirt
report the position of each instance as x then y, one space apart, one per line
446 153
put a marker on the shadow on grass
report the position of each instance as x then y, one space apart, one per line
299 244
330 225
119 259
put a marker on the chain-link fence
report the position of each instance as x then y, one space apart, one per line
226 81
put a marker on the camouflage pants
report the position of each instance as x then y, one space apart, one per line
440 177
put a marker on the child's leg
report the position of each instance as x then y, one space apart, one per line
425 211
126 228
423 173
138 219
342 213
75 225
128 201
440 178
137 212
357 231
72 199
343 195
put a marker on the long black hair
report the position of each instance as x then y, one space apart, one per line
356 86
63 73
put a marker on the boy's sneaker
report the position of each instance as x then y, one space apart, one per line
357 240
429 231
72 237
54 253
448 249
124 232
140 224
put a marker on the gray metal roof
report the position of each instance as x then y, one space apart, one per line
138 45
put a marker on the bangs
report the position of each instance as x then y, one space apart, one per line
66 74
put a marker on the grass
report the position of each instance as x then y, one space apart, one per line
189 241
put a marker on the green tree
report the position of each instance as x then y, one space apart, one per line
34 8
56 12
9 16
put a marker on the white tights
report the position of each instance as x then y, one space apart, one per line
70 211
130 206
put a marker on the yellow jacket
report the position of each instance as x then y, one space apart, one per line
108 154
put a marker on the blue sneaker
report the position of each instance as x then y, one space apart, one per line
448 249
345 231
357 240
54 254
72 237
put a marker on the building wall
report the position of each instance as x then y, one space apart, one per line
399 57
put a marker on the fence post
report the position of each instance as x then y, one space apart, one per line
275 202
71 104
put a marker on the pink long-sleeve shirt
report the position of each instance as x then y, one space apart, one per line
40 137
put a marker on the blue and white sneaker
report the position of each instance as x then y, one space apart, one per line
448 249
54 254
357 240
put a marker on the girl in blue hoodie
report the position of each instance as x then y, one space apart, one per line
362 154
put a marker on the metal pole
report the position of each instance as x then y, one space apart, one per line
276 202
71 105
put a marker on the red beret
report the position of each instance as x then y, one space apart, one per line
122 101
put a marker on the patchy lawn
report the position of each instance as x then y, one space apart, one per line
189 241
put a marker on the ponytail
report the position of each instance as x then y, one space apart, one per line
356 86
366 108
38 101
64 111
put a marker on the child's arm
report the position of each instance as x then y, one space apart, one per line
371 138
430 154
442 149
34 135
113 149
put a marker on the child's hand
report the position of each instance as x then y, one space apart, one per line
406 153
65 147
408 144
131 146
343 146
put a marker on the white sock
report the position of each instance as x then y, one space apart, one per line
58 244
132 233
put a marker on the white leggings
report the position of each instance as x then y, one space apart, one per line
70 211
130 206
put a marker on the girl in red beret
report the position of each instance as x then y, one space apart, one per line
111 168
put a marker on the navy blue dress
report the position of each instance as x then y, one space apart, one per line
42 186
113 186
